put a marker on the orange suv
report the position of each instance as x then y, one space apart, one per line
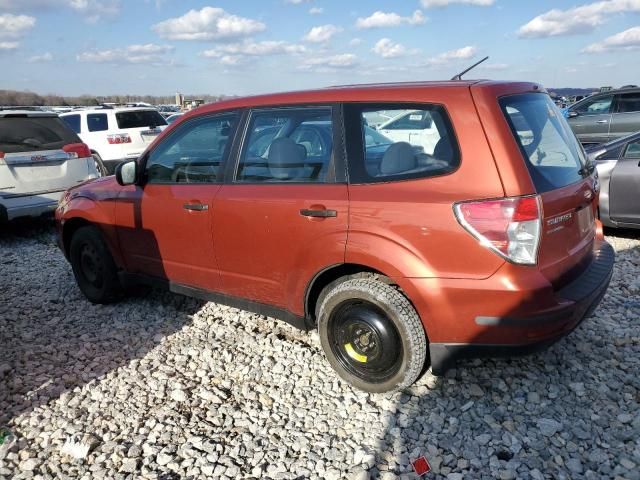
411 224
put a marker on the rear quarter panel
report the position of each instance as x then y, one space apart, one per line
408 228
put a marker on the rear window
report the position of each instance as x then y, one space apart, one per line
140 119
553 155
32 134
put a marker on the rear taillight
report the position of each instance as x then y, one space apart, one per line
510 227
77 150
2 162
118 138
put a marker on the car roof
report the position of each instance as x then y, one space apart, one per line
343 93
26 113
107 110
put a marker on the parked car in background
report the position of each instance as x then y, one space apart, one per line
618 164
605 116
40 157
173 117
413 126
116 134
292 206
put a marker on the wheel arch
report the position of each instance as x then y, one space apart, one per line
335 272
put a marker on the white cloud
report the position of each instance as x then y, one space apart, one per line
316 10
445 3
92 10
45 57
354 42
381 19
254 49
209 23
330 63
582 19
386 48
322 33
8 45
15 26
463 53
627 40
296 2
149 53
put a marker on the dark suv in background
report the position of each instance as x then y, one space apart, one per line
606 116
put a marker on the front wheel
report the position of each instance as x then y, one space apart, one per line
93 266
371 335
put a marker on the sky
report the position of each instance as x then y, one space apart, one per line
240 47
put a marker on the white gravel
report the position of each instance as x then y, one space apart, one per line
161 386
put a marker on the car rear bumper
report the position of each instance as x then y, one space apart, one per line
528 329
28 204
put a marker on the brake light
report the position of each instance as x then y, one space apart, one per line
77 150
118 138
511 227
2 162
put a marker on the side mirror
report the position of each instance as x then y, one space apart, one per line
127 173
572 114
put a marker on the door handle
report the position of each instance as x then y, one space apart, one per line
305 212
197 207
602 121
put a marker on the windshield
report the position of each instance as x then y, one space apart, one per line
31 134
140 119
553 155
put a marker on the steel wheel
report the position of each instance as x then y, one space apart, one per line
365 341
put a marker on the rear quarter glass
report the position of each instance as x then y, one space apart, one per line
33 134
552 154
139 119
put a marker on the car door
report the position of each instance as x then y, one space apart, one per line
282 216
624 186
165 224
626 116
590 119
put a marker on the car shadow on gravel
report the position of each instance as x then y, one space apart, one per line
570 411
52 340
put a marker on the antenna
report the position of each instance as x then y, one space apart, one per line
459 76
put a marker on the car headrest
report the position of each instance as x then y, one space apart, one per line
443 149
398 158
286 158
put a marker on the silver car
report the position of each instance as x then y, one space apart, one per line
618 164
605 116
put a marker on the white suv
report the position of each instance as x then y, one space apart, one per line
116 134
40 157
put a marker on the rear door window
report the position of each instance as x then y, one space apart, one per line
21 133
140 119
97 122
73 121
422 146
553 156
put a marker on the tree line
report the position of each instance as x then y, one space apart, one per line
10 98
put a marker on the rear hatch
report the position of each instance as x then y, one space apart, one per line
142 126
564 179
38 153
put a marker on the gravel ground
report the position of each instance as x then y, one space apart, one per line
161 386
